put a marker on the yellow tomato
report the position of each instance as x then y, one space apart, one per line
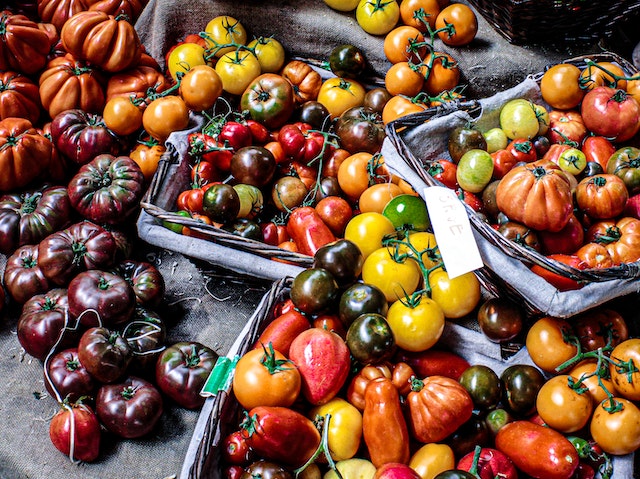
224 34
367 230
456 296
432 459
416 327
339 94
184 57
237 70
270 53
395 279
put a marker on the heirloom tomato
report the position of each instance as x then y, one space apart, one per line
602 196
146 334
221 203
399 106
561 282
625 163
444 171
342 258
314 290
456 296
615 426
237 69
360 129
416 327
122 116
104 353
496 139
264 377
431 459
361 298
339 94
598 149
602 74
182 370
108 189
621 238
456 24
147 155
563 405
464 138
22 277
600 326
566 127
19 97
269 99
347 61
519 119
572 161
500 319
588 374
560 86
75 431
270 53
355 173
41 321
376 197
568 240
370 339
26 45
305 80
335 212
407 212
223 34
145 279
67 379
253 165
611 113
520 386
404 43
475 170
419 13
483 385
307 229
129 409
403 78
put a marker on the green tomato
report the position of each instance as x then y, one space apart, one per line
496 139
176 227
377 17
407 212
251 200
572 161
475 170
518 119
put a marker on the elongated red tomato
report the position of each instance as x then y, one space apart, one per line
308 231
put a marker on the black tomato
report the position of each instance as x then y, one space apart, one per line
314 290
253 165
361 298
520 386
347 61
370 339
342 258
500 319
463 139
221 203
483 385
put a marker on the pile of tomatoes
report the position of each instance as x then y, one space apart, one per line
340 381
560 179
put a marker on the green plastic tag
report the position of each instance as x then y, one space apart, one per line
220 377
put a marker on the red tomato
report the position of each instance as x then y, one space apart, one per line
566 127
444 171
611 112
503 161
561 282
522 149
598 149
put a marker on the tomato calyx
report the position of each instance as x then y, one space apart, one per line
611 235
322 423
272 364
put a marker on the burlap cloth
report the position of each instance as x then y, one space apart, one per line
212 307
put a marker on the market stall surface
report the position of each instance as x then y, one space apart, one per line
203 303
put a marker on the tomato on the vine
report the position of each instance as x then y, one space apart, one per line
457 25
395 278
339 94
165 115
377 17
184 57
456 296
122 115
224 34
560 86
200 87
270 53
237 69
416 327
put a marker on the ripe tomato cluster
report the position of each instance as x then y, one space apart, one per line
330 365
560 181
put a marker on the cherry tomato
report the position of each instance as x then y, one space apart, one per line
624 370
377 17
458 25
416 327
339 94
456 296
419 13
395 278
221 32
367 230
403 78
403 44
237 69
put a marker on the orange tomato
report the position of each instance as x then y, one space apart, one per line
464 25
399 106
403 78
444 74
560 86
419 13
376 197
404 43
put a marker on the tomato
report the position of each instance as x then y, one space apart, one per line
442 73
462 139
572 161
204 173
270 53
594 377
475 170
566 241
563 405
431 459
347 61
377 17
376 197
403 78
600 326
566 127
339 94
500 319
625 375
598 149
344 427
404 44
342 5
496 139
370 339
122 116
305 80
221 203
456 296
269 99
537 450
560 86
184 57
602 196
360 129
407 212
253 165
518 119
395 279
611 113
416 327
164 115
237 69
615 426
483 385
67 379
503 162
399 106
251 200
376 98
419 13
224 34
335 212
353 174
549 345
520 386
602 74
200 87
147 155
457 25
264 377
75 431
367 230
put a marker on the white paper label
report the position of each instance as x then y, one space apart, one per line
452 230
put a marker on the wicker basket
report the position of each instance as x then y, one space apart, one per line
214 245
506 263
531 21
